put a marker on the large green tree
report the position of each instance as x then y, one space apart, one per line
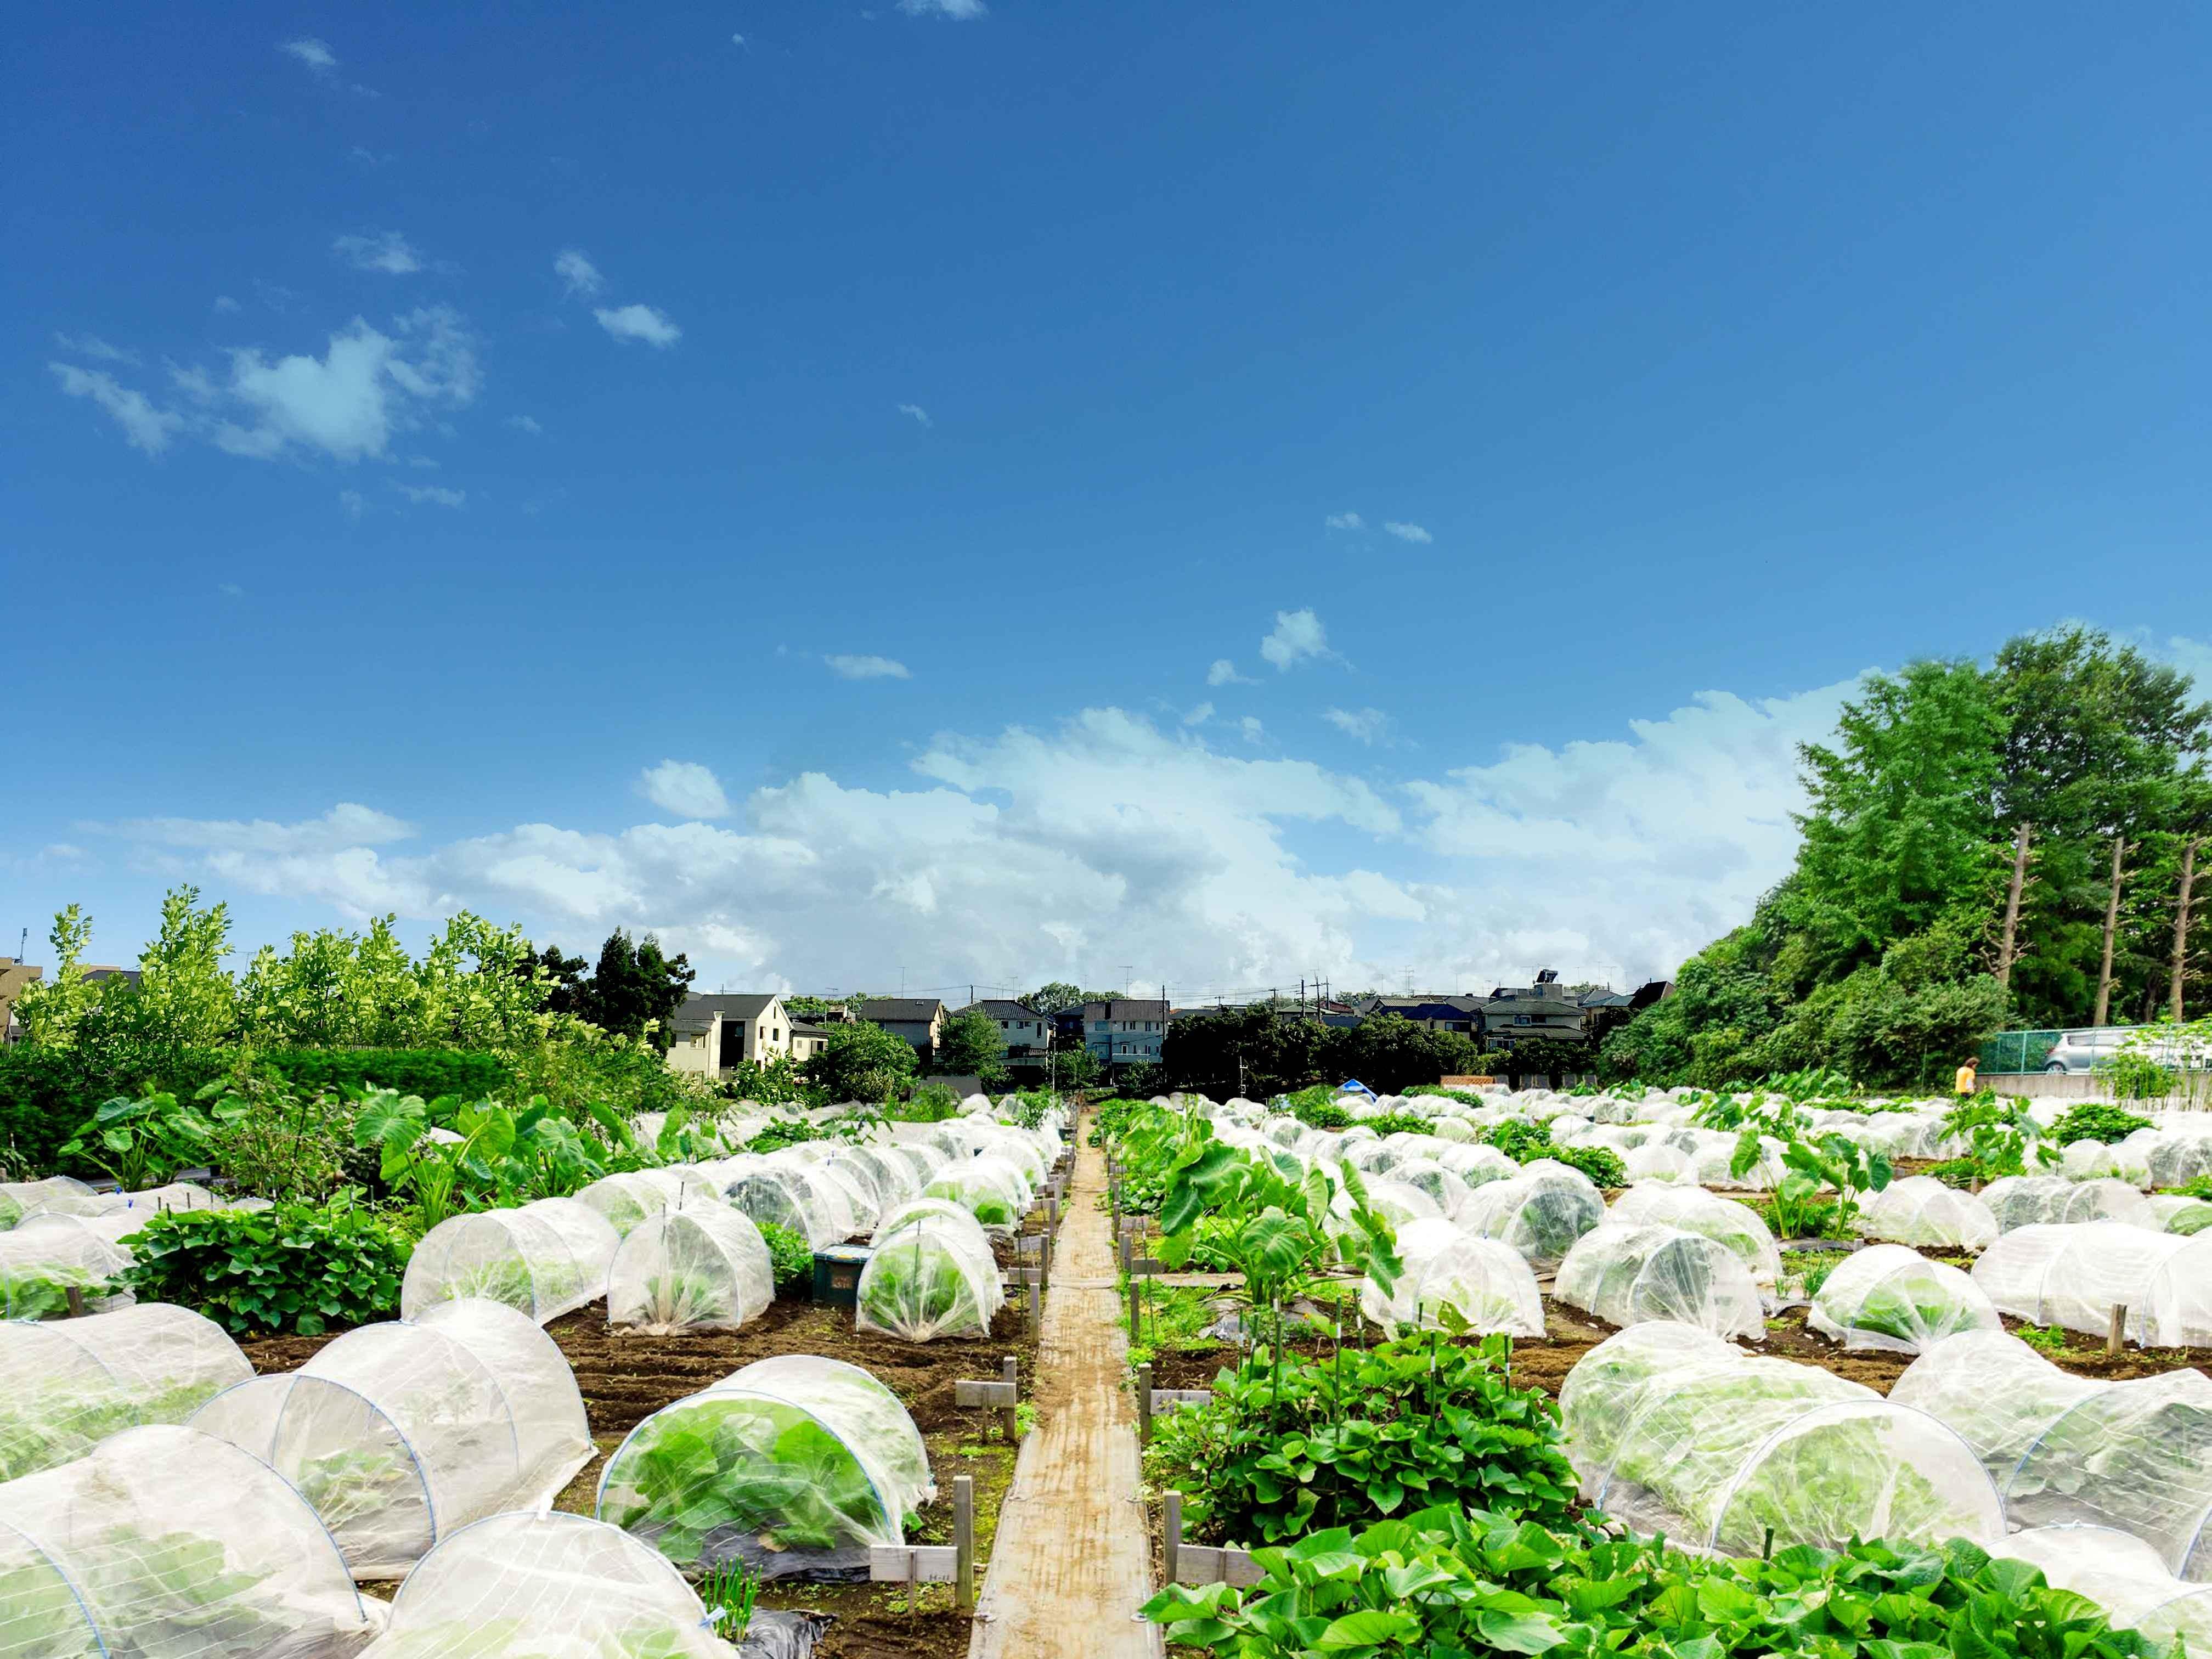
862 1062
635 989
970 1044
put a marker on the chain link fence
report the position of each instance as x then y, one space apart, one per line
2019 1051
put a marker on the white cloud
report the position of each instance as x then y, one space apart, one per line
737 40
1345 521
960 11
348 403
1368 726
1200 716
144 427
92 346
1407 533
224 302
1223 672
433 494
867 668
919 413
1250 727
230 590
635 322
525 423
353 501
1298 635
685 788
315 54
387 250
347 824
578 273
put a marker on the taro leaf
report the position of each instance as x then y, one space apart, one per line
1371 1627
1518 1632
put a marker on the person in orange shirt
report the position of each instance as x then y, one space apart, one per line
1963 1082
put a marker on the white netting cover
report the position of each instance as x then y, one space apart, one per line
2178 1212
2122 1575
165 1544
913 1208
1721 1220
1922 1210
2029 1200
1478 1165
702 1267
399 1433
1628 1273
791 1465
627 1198
1486 1283
1660 1163
20 1198
791 1196
544 1259
935 1276
1714 1448
1891 1297
66 1385
1539 1213
2074 1275
2135 1454
546 1585
1433 1182
47 1255
989 1189
2178 1300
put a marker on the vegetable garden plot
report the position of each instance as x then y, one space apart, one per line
2177 1212
705 1267
57 1193
1721 1220
1922 1210
1714 1449
2178 1157
544 1259
934 1276
630 1197
2031 1201
46 1256
914 1208
793 1465
2074 1275
1656 1163
546 1586
66 1385
1486 1283
2122 1575
2134 1455
166 1544
1541 1213
1434 1183
398 1434
788 1196
1478 1165
989 1189
1893 1298
1630 1275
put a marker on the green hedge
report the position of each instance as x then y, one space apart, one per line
428 1072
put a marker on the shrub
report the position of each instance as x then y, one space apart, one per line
1601 1163
2094 1120
1290 1445
298 1268
790 1253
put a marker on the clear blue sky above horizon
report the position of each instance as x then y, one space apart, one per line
785 475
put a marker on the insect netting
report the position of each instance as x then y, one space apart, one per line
1630 1273
1922 1210
2134 1455
2178 1157
890 1179
1019 1149
933 1276
792 1465
165 1544
544 1259
1433 1182
1541 1212
398 1434
66 1385
2123 1575
896 1217
546 1585
790 1195
62 1193
1659 1163
46 1256
1714 1447
1721 1220
627 1198
2033 1200
702 1267
1478 1165
1715 1166
2090 1160
1891 1297
989 1189
2074 1275
1487 1283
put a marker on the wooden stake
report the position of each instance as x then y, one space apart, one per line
2117 1328
1134 1286
963 1541
1145 1405
1010 1373
1172 1543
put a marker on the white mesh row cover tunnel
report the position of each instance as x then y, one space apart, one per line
2121 1574
67 1384
1683 1434
704 1266
46 1256
2029 1200
398 1434
790 1195
1891 1297
1629 1274
1487 1283
1922 1210
795 1464
1433 1182
20 1198
2178 1212
544 1259
628 1197
546 1585
899 1215
2134 1455
935 1276
1721 1220
1660 1163
989 1189
166 1544
1541 1212
2074 1274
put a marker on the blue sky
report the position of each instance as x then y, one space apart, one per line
785 475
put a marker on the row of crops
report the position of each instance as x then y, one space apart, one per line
1686 1488
159 1500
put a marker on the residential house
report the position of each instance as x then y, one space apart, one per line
1027 1034
807 1040
1124 1031
13 976
1438 1012
1514 1014
715 1031
917 1019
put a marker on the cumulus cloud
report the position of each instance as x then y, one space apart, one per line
960 11
1298 635
433 494
580 276
636 322
1407 533
315 54
1368 726
1345 521
348 403
144 427
386 250
1223 672
867 668
685 788
920 414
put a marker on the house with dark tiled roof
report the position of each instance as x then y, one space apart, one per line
917 1019
1027 1033
714 1031
1126 1031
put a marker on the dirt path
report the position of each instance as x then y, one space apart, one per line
1073 1562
